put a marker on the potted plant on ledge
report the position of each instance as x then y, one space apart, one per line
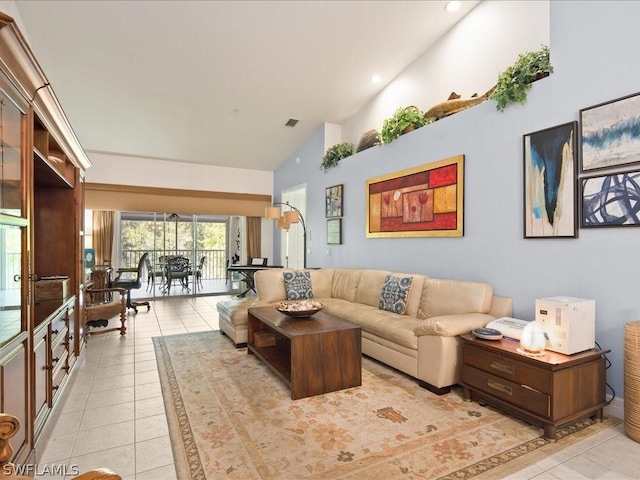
404 120
515 82
336 153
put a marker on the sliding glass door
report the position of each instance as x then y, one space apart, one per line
187 253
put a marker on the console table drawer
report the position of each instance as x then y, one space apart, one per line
530 399
508 368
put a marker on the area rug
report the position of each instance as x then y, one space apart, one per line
231 417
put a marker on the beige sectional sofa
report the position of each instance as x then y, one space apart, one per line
422 342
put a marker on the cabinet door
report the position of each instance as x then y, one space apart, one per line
12 123
13 393
41 376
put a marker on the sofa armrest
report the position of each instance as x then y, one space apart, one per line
452 325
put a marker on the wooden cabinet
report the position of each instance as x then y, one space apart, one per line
41 211
550 390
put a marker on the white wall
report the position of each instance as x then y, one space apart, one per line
151 172
593 51
467 61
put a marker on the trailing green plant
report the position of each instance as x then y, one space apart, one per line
402 121
514 83
336 153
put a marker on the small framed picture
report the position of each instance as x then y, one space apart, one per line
610 133
334 231
333 201
611 200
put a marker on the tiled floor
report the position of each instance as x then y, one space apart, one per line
112 414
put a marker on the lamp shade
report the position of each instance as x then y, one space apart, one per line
272 212
291 217
281 222
533 339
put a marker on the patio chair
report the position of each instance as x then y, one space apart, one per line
199 269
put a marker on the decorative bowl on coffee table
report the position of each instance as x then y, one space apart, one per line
299 309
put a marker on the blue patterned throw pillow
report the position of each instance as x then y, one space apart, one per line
298 285
395 292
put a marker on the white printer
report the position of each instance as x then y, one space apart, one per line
569 322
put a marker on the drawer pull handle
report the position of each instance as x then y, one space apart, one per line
501 367
54 332
500 387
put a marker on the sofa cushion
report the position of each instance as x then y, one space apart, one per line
270 285
415 292
394 295
345 283
298 285
452 297
321 279
369 287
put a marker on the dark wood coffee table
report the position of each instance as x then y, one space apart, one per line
314 355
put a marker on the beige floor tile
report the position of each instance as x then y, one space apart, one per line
167 472
144 356
148 390
151 427
120 460
115 370
109 383
117 359
153 453
149 407
56 448
147 377
110 397
107 415
104 438
146 366
61 424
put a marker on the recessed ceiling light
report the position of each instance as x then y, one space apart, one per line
376 79
452 6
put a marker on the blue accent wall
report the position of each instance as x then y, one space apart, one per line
594 46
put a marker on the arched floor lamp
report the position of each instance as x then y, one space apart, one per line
286 219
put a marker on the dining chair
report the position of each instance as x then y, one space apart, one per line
177 268
153 273
199 270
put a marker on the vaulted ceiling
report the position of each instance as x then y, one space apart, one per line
215 82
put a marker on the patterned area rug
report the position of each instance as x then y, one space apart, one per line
231 417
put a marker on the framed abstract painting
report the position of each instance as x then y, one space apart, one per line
550 167
333 201
610 133
611 200
424 201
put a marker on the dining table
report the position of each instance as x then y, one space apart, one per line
248 272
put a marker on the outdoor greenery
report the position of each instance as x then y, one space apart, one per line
152 235
402 121
514 83
336 153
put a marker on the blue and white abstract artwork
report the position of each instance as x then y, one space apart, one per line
550 207
611 200
611 133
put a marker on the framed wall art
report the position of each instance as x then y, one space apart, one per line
611 200
333 201
424 201
550 167
334 231
610 133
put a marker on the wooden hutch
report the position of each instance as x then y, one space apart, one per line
42 169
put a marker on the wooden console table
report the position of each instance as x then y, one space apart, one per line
314 355
550 390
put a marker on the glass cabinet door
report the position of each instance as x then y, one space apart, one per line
11 122
11 323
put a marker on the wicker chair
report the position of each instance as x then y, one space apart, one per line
9 426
